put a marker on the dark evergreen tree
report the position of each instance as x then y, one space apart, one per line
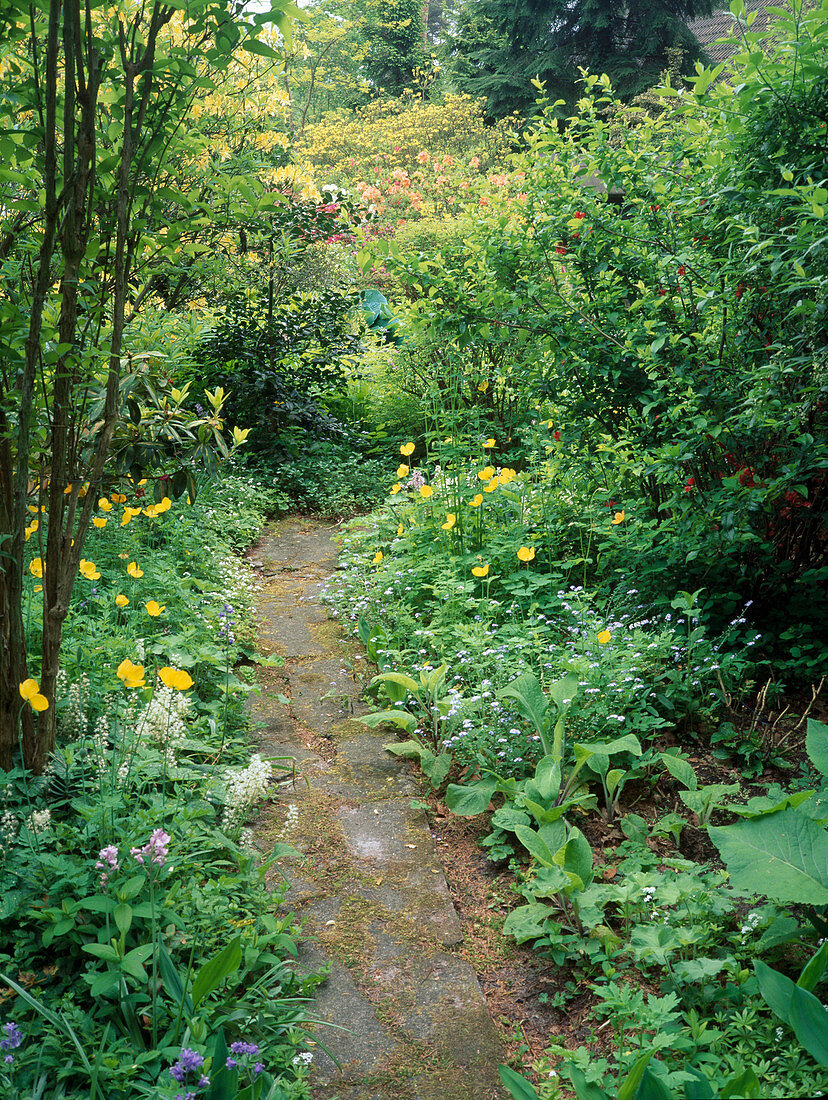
395 33
500 45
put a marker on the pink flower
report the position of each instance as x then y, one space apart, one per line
155 850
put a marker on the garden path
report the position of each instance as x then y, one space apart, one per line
407 1018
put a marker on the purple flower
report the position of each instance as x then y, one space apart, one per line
244 1048
155 850
13 1037
244 1053
189 1061
107 862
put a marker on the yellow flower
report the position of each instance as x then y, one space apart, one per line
88 570
30 530
175 678
117 498
476 501
490 486
126 517
132 675
506 475
38 588
402 470
395 488
121 600
163 505
483 387
618 517
487 473
30 691
400 531
526 553
489 444
36 567
377 558
100 521
547 423
105 505
604 637
426 491
480 570
407 449
135 570
151 510
451 519
154 609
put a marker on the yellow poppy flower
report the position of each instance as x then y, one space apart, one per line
400 531
506 475
175 678
604 637
36 567
100 521
402 470
526 553
38 588
88 570
618 518
407 449
480 570
132 675
426 491
126 517
154 609
30 530
451 519
135 570
117 498
395 488
105 505
151 510
483 387
476 501
163 505
121 600
30 691
487 473
377 558
491 485
489 444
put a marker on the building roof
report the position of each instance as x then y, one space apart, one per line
721 24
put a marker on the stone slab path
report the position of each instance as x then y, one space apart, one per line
407 1019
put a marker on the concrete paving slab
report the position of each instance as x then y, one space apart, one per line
368 882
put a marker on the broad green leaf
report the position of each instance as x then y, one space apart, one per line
133 962
575 857
442 766
816 744
533 844
215 970
813 970
122 914
776 989
526 922
742 1086
628 1088
699 1088
173 982
516 1085
563 691
784 856
102 951
549 882
399 718
397 678
548 778
469 799
532 703
586 1090
410 750
652 1087
809 1021
680 769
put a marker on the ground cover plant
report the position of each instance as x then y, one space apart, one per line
144 950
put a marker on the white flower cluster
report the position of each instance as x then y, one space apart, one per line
8 826
291 819
73 697
244 788
40 821
303 1059
162 721
752 921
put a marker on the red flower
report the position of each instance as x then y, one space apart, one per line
579 214
560 249
739 291
688 485
654 208
746 477
682 270
556 436
661 291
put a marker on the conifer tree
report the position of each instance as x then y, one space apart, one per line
500 45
